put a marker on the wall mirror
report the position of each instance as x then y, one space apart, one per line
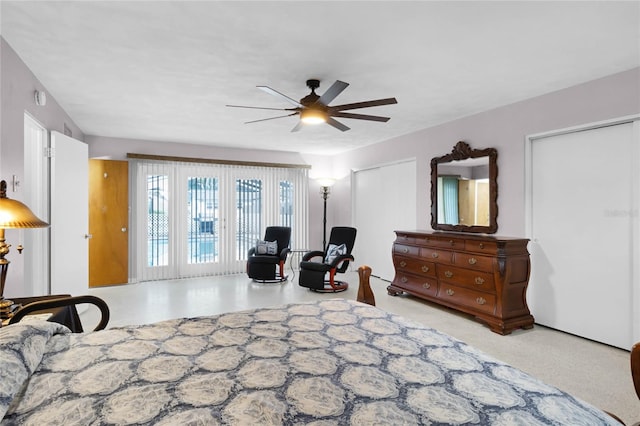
464 190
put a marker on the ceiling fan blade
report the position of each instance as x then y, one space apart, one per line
298 126
279 95
332 92
254 107
338 125
366 104
270 118
360 116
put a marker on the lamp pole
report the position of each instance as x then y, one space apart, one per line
324 191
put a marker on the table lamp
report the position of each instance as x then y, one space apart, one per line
13 214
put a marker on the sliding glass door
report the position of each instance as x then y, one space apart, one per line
182 223
195 220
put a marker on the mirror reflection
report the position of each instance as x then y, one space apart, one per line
463 192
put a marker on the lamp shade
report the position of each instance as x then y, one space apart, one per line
327 182
313 116
14 214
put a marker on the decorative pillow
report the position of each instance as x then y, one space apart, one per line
266 247
334 251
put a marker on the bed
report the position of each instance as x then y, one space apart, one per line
324 363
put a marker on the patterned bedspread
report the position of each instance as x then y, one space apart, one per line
326 363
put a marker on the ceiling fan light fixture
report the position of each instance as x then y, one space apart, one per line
313 116
314 109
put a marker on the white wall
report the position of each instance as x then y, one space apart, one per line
17 87
117 149
503 128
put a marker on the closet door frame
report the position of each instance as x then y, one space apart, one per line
528 197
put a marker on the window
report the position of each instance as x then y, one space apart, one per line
286 204
202 219
248 215
158 220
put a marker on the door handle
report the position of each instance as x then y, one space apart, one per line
88 236
123 229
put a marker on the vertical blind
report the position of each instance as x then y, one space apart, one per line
194 219
449 202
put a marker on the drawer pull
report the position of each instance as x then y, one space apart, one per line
425 269
434 255
448 274
426 285
404 279
403 263
481 245
451 242
479 280
405 250
481 301
473 261
450 292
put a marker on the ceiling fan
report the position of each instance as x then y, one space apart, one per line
314 109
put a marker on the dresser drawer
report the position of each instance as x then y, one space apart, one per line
476 300
414 266
422 241
488 247
444 243
403 238
473 261
468 278
437 255
406 250
415 284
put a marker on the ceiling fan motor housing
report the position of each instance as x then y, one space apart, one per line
313 83
312 97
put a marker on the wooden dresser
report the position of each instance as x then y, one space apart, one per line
485 276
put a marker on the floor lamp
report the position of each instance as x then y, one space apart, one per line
13 214
325 189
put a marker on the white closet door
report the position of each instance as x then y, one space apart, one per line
582 229
385 201
69 215
36 196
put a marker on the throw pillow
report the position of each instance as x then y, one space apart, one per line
334 251
272 247
266 247
261 247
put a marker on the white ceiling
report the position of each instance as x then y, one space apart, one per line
165 70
